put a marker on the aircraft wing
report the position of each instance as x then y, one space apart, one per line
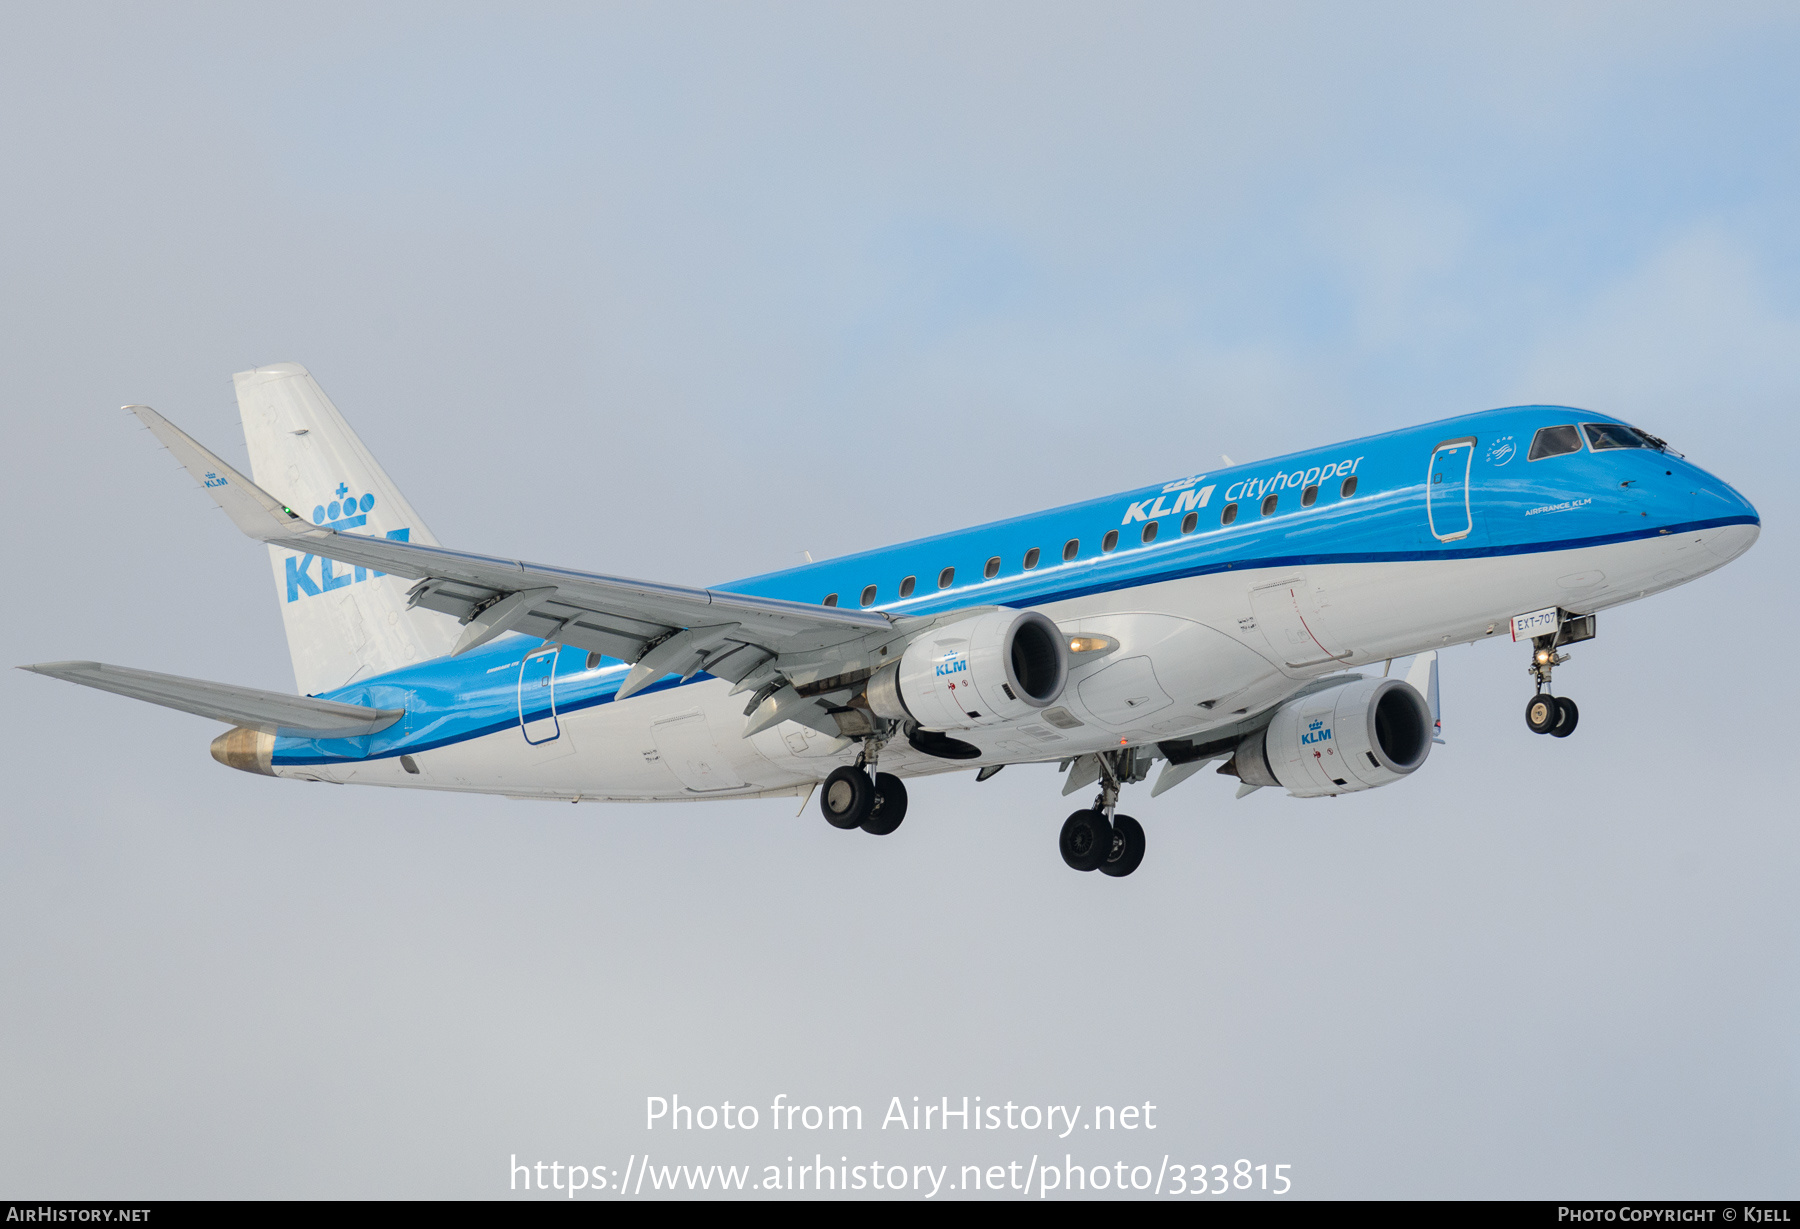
756 642
272 711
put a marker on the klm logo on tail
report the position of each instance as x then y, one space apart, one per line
345 511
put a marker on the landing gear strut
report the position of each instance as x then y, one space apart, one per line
1547 713
857 796
1099 839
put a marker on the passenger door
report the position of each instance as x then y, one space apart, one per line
1447 489
537 696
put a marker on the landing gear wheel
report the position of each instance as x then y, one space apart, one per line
848 798
1567 716
890 805
1543 713
1127 848
1086 840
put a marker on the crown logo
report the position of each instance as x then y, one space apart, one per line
345 511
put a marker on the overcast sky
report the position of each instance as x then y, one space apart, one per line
682 291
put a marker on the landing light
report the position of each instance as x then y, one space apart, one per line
1091 644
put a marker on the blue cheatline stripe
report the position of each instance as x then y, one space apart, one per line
512 721
1407 556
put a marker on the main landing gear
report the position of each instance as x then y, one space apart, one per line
859 797
1100 839
1546 713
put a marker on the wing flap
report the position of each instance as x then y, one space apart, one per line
270 711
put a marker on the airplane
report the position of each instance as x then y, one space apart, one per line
1232 616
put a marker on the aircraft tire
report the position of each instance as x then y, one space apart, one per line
889 807
1543 713
1086 840
1127 851
1567 715
847 798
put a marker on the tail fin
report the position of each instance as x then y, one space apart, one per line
342 623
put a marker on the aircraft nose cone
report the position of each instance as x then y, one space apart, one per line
1734 502
1749 509
1715 499
1733 540
1719 500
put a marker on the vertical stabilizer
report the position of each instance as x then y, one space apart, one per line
343 623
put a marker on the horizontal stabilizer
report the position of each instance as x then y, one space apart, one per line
250 707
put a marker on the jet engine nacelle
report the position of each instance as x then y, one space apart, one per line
1364 734
981 671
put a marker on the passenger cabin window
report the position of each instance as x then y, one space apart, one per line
1149 531
868 597
593 660
1070 548
992 569
1558 441
1228 515
1269 503
1190 522
1031 558
906 586
1605 435
831 599
1109 541
1349 487
945 577
1309 496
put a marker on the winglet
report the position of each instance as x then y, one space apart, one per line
250 508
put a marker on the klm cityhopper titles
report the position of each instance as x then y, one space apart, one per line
1240 617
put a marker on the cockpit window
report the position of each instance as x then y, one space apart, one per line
1554 442
1604 435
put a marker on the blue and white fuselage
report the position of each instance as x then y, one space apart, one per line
1399 565
1219 617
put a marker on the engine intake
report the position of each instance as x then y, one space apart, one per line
981 671
1364 734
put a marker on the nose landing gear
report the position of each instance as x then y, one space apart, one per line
1099 839
1553 715
1547 713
